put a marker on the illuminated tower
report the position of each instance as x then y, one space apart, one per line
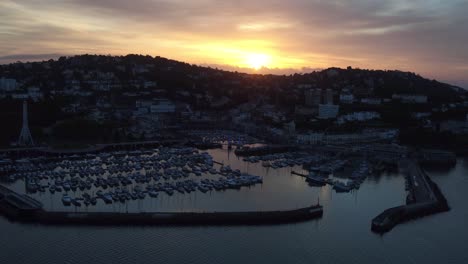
25 138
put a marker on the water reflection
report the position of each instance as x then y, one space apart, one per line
280 190
342 235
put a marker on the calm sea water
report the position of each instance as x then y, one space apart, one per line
342 236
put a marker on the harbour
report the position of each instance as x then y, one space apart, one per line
167 186
424 198
343 228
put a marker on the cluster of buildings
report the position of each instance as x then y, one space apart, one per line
322 100
365 136
140 95
7 85
10 88
358 117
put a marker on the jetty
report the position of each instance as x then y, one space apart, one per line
263 150
424 198
23 209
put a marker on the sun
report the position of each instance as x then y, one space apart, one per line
257 61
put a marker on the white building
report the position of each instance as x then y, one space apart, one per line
364 136
358 116
421 115
7 84
144 103
20 96
328 111
35 93
347 98
410 98
162 106
371 101
310 138
150 84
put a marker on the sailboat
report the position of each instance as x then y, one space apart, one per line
229 143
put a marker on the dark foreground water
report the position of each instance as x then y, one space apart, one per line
342 236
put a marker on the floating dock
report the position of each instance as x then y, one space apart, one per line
263 150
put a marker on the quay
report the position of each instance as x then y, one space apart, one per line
263 150
23 209
98 148
424 198
299 174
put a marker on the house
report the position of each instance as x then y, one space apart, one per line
346 98
358 117
328 111
7 85
162 106
371 101
410 98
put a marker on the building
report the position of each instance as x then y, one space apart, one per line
158 106
290 128
313 97
410 98
328 111
35 93
366 136
162 106
371 101
7 84
304 86
346 98
421 115
455 126
328 97
312 138
358 117
144 103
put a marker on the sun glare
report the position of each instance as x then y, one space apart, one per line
257 61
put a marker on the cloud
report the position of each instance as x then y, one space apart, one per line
425 36
29 57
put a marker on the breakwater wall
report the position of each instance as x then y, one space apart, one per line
391 217
30 211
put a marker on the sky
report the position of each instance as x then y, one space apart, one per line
428 37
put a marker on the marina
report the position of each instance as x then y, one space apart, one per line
118 177
96 187
358 207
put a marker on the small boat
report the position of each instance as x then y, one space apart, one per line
316 180
66 186
341 187
153 194
76 202
107 198
66 200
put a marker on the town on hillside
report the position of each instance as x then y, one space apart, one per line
91 99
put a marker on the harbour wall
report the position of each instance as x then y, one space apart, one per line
391 217
30 211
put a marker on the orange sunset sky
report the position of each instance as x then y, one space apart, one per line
428 37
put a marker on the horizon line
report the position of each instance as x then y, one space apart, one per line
34 58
